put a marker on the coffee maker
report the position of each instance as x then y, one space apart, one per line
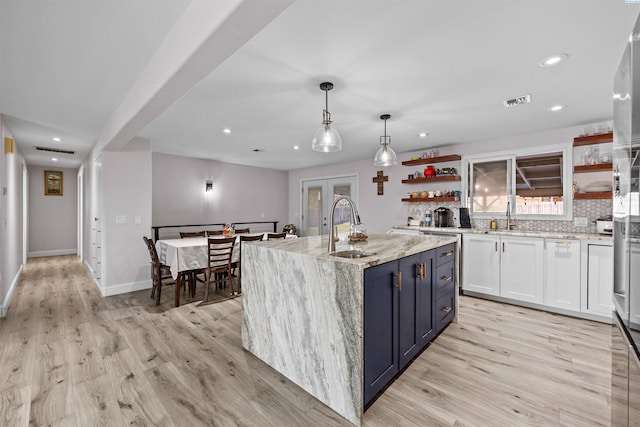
442 217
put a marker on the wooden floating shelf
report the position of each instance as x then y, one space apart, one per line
593 139
593 168
432 199
429 160
599 195
432 179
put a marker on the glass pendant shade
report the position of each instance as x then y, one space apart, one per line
326 139
385 155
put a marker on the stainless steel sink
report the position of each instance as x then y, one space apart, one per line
352 254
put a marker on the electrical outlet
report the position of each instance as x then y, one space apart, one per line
121 219
138 220
580 221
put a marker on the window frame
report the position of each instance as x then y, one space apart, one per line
567 180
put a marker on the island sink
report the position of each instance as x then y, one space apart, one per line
353 253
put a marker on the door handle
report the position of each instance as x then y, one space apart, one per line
502 247
446 278
399 285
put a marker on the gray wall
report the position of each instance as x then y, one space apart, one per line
52 219
240 193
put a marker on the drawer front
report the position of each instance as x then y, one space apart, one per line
445 310
445 254
445 276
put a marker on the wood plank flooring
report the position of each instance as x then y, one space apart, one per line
71 358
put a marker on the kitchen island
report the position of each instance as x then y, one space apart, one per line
304 310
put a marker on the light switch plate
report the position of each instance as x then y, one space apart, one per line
580 221
121 219
138 220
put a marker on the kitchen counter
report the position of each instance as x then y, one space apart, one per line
516 232
303 311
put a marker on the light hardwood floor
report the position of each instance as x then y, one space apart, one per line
71 358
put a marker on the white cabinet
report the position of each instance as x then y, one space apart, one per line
481 264
522 269
563 274
511 267
597 272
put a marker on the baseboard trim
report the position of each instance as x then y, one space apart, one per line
126 287
56 252
7 299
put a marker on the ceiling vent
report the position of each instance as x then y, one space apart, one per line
54 150
524 99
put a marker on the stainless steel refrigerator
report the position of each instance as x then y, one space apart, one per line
625 384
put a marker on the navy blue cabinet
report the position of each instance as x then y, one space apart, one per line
399 314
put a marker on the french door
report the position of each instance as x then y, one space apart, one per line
318 196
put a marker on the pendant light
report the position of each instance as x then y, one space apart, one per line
385 155
326 138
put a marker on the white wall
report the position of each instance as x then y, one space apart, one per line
240 193
52 219
380 213
11 246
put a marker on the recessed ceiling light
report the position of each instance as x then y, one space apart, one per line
53 159
56 139
296 147
422 134
556 108
554 60
226 130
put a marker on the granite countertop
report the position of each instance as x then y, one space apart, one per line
386 247
523 233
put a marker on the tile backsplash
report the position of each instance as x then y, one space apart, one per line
590 209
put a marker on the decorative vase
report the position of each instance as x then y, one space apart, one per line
429 172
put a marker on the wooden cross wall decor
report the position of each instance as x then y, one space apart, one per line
380 179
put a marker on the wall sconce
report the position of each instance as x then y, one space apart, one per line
208 186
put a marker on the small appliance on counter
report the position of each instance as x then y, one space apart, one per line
604 225
465 219
442 217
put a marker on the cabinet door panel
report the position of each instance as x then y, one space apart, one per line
522 269
408 309
380 328
481 266
424 298
563 274
600 279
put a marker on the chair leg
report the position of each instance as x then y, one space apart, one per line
158 295
230 281
206 286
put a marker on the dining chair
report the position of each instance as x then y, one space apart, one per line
184 234
215 232
242 230
220 251
243 238
160 273
274 236
192 276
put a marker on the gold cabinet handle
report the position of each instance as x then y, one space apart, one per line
399 285
447 309
424 270
446 278
446 254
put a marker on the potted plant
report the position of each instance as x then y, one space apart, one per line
290 229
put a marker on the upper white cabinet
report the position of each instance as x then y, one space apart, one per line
563 274
493 265
522 269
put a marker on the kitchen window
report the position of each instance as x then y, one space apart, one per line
532 183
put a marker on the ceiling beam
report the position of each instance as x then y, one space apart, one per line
206 35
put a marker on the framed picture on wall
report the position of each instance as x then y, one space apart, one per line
53 183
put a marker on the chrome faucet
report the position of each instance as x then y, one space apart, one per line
511 224
355 220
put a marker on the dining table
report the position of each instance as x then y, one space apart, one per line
192 254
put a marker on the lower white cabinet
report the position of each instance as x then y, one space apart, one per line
522 269
597 272
510 267
563 274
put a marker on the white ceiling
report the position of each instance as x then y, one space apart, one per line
439 66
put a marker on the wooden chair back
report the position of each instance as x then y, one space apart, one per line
215 232
243 230
184 234
274 236
220 252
